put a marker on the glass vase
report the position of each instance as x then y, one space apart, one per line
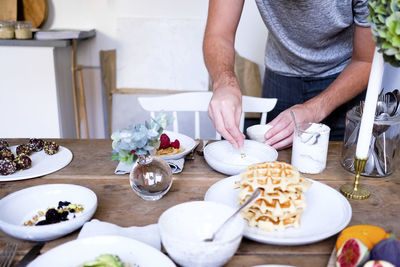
150 177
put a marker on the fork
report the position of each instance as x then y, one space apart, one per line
7 256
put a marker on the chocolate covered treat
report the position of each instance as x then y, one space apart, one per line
23 162
3 143
24 148
6 154
7 167
51 148
36 144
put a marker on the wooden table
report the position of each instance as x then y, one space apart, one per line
117 203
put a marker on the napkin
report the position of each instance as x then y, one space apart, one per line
176 166
147 234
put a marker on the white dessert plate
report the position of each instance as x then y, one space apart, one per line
42 164
79 251
327 213
185 141
224 158
19 207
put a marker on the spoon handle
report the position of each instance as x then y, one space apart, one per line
255 194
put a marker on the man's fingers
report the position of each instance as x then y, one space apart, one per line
221 129
231 127
287 142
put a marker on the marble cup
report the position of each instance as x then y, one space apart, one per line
257 132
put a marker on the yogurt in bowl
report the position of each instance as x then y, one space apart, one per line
224 158
184 227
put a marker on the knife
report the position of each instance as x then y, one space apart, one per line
31 255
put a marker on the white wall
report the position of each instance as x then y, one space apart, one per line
105 16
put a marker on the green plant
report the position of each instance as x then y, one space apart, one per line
138 140
385 18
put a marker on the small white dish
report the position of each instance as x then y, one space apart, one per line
185 141
184 227
42 164
19 207
328 212
79 251
222 157
257 132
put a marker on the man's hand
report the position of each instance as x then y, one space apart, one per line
280 136
225 110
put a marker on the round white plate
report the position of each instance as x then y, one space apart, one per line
185 141
79 251
42 164
327 213
222 157
19 207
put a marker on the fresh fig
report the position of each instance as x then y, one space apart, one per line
352 253
378 264
387 250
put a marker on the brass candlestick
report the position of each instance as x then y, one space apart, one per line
356 190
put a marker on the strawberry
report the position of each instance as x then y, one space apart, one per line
175 144
164 141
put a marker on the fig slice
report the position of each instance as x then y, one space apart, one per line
352 253
378 264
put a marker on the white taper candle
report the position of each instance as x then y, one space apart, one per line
368 115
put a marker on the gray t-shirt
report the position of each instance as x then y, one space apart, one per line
311 38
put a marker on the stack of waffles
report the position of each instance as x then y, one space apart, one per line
282 200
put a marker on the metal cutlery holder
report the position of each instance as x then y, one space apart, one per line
383 147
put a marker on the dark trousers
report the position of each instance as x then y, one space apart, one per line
296 90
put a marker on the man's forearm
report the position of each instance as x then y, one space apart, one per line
351 82
219 57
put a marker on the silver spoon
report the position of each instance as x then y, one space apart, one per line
255 194
396 92
390 100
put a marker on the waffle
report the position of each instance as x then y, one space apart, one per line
282 200
169 151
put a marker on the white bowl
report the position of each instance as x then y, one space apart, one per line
222 157
257 132
184 227
20 206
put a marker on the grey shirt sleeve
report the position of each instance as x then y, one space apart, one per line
361 12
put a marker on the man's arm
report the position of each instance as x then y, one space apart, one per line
225 106
352 81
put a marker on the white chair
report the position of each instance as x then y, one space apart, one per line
198 102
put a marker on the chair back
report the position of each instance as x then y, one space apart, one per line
198 102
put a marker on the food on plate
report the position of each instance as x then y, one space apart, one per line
106 260
282 200
24 148
387 250
64 211
352 253
36 144
7 154
167 147
7 167
3 143
23 162
51 147
370 235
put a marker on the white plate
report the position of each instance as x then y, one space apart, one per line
222 157
77 252
327 213
42 164
19 207
185 141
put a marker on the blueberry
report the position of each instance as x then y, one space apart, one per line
52 216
